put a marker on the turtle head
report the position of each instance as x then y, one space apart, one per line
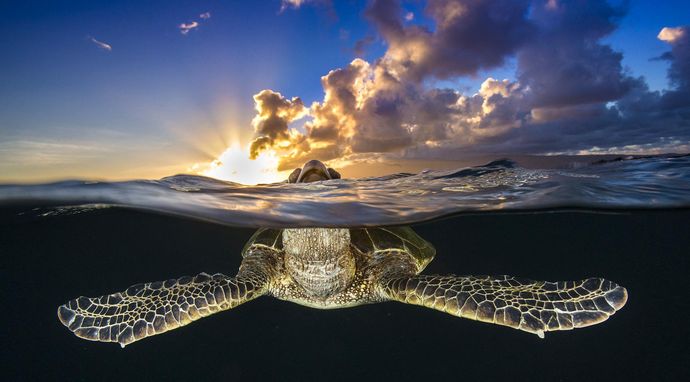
318 259
313 171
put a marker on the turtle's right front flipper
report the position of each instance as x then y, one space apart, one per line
145 310
532 306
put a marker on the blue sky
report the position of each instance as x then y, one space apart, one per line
163 99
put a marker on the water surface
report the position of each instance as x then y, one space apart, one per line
626 220
503 185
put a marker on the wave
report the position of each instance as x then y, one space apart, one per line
403 198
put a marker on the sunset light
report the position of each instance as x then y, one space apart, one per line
234 165
162 161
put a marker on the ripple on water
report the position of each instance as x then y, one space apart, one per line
649 182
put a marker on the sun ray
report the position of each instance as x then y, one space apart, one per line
234 165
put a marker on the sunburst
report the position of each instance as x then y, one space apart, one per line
234 165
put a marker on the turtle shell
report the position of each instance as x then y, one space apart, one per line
379 240
266 237
371 241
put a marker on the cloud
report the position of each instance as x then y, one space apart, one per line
48 152
294 4
274 113
565 63
469 36
187 27
551 4
101 44
570 93
297 4
362 44
679 70
326 5
670 35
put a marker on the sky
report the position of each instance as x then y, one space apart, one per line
131 89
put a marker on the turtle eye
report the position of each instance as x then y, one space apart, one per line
294 175
334 174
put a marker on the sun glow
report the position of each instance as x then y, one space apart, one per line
234 165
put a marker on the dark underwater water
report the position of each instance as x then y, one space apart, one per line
48 258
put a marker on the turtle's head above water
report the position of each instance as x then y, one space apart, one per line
313 171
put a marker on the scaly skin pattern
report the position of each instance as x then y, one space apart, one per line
319 259
364 288
144 310
532 306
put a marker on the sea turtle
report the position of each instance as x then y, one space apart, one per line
330 268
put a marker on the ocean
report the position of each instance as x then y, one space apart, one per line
625 220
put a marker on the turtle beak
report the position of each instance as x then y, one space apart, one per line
313 171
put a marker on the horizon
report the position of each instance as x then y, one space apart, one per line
96 90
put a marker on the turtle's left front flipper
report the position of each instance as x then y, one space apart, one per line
144 310
532 306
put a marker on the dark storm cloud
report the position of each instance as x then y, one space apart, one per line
571 93
565 63
470 35
639 119
679 70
